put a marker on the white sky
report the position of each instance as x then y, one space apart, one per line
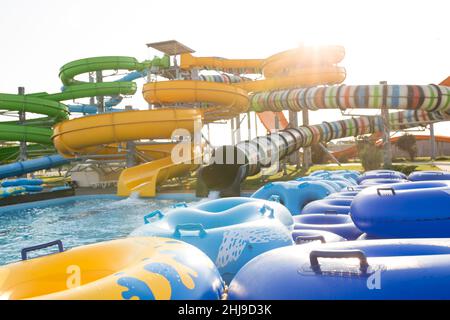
402 42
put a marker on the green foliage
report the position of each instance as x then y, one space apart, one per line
406 169
407 143
370 155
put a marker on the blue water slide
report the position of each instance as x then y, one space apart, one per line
23 167
110 103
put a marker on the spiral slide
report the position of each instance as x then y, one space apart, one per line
39 130
206 99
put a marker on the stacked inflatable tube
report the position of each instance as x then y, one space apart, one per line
380 269
336 206
378 181
404 210
230 231
381 174
340 224
429 176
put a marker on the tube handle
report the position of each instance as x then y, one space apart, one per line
301 239
179 205
189 227
152 214
266 208
337 254
24 252
385 189
275 198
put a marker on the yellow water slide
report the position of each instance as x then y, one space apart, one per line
186 104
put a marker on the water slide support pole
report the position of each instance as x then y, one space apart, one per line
249 126
293 123
91 80
387 148
238 128
131 149
256 124
306 151
100 99
22 118
233 141
432 142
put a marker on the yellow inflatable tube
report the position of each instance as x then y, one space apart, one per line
132 268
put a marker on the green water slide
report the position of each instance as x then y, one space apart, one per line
38 130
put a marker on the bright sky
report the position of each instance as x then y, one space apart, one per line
402 42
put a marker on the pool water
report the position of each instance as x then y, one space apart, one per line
77 222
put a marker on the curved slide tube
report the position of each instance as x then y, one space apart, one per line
264 151
214 100
39 130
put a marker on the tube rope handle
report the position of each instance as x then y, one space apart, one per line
179 205
301 239
275 198
386 189
337 254
26 250
189 227
266 208
152 214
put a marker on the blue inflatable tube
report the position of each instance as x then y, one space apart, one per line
429 176
339 224
60 188
294 194
381 174
9 191
404 210
380 270
22 167
33 188
231 231
308 236
21 182
375 182
336 185
343 195
336 206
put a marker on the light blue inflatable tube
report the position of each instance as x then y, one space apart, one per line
23 167
294 194
232 237
337 186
